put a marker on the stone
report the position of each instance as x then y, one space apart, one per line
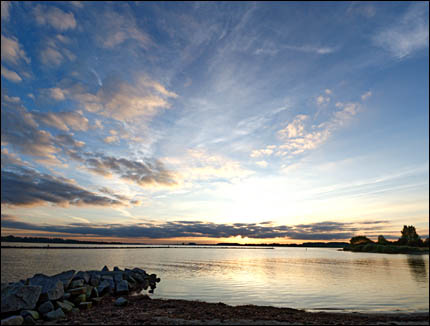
116 268
13 320
95 293
77 284
65 277
66 296
89 291
52 288
122 287
104 287
77 291
80 298
28 320
46 307
33 313
55 314
105 269
65 306
85 305
95 279
107 277
138 270
82 276
138 277
16 296
121 302
69 303
118 277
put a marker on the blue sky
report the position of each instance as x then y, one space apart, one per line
225 121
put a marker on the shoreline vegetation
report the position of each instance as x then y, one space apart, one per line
409 243
11 238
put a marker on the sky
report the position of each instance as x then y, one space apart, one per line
249 122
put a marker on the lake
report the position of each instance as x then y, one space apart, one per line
312 279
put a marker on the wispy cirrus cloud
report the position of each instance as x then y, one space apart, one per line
408 35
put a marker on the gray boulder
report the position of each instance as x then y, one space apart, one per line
52 288
46 307
82 276
16 296
55 314
122 287
118 276
65 277
77 291
77 284
95 279
66 307
13 320
105 286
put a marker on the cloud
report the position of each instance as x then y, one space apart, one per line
145 173
121 100
25 187
5 7
118 28
55 17
261 152
295 128
366 95
198 164
10 75
11 51
8 159
407 35
263 163
25 136
54 52
63 120
311 49
198 229
50 56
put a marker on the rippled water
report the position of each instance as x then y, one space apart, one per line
312 279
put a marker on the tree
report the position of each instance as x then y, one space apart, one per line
360 239
409 237
382 240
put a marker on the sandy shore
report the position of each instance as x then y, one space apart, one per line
142 310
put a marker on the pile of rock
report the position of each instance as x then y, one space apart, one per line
50 297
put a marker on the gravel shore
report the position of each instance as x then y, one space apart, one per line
141 310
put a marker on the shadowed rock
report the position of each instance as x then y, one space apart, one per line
16 296
52 288
12 320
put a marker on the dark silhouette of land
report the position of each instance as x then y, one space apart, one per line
409 243
11 238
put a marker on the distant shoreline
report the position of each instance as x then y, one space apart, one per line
146 247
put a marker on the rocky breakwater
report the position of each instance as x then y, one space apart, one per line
51 297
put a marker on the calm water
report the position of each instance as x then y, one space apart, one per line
312 279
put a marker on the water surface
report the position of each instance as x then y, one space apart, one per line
312 279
